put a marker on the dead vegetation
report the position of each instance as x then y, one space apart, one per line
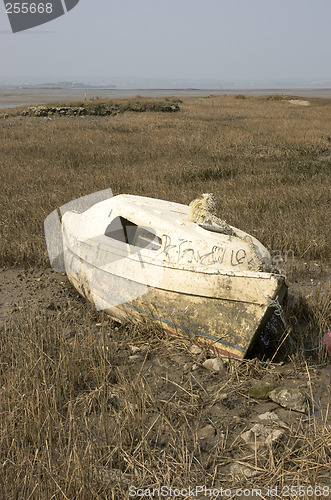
80 418
261 158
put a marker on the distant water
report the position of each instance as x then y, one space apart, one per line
11 98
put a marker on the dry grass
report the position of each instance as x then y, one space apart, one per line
78 420
266 161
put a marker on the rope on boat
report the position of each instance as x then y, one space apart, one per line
203 211
280 313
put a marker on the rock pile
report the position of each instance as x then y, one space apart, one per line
49 111
99 109
170 108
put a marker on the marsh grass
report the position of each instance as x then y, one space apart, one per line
266 161
78 420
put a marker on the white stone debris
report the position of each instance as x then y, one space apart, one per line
241 471
206 432
271 417
299 102
213 364
291 398
261 435
195 349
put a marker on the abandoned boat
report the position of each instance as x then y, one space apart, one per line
135 256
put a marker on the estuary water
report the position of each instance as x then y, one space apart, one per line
11 98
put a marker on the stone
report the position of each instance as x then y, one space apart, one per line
260 389
213 364
170 108
60 110
240 471
291 398
271 417
206 432
299 102
195 349
261 435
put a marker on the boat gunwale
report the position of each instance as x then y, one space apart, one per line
189 227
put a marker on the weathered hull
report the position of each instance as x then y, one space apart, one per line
231 323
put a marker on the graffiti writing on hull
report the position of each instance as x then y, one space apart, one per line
184 252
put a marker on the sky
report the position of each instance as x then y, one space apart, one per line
225 40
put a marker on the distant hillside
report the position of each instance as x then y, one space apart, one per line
57 85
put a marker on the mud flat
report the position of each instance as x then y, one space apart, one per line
10 98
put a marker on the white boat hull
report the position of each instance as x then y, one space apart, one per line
228 309
136 257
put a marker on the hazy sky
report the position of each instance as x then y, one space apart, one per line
189 39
